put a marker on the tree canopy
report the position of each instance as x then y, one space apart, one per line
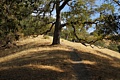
31 17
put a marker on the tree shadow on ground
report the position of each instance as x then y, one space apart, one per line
52 65
78 67
102 69
19 48
40 65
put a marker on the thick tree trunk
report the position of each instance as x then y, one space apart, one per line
56 37
57 30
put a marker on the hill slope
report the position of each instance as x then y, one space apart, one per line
36 59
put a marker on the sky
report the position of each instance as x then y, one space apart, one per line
98 2
66 8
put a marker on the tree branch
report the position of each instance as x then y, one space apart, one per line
52 8
49 29
83 41
74 31
63 25
63 4
117 2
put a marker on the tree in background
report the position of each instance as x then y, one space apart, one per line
12 12
79 12
16 17
77 18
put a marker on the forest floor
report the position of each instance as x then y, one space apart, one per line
36 59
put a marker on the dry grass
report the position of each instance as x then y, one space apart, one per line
36 59
100 64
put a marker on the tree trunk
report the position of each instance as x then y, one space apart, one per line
56 37
57 30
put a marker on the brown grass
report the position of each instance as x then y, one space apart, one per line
36 59
99 64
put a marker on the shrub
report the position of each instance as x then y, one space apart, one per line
100 43
113 46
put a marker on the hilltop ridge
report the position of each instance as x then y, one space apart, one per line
36 59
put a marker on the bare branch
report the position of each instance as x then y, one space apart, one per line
52 8
74 31
63 4
63 25
117 2
83 41
90 23
49 29
70 5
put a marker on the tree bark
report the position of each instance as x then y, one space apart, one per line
56 36
57 30
58 27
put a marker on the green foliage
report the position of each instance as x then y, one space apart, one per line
113 46
34 26
16 18
100 43
106 8
110 45
12 13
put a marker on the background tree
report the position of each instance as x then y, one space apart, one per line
16 17
12 12
79 12
78 18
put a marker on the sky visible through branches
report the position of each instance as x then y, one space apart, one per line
66 8
94 16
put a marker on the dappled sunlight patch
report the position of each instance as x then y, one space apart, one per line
94 50
46 67
34 72
108 53
9 67
33 66
115 64
88 62
29 52
80 62
98 53
4 68
37 57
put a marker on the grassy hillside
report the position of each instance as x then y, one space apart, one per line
36 59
